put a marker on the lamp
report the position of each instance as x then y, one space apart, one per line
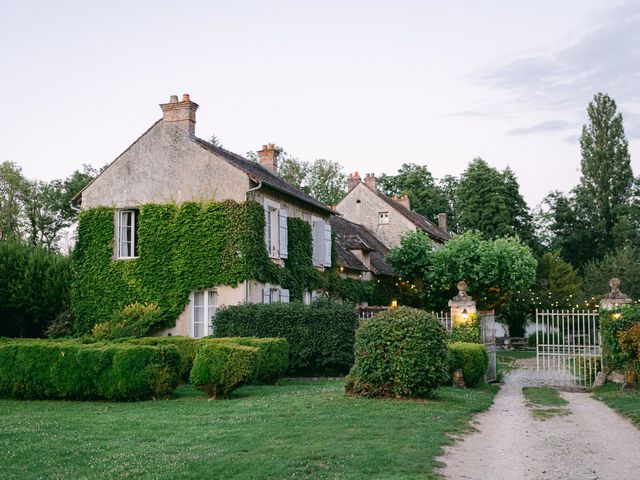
465 315
394 303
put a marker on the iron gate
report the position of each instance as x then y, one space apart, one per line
568 349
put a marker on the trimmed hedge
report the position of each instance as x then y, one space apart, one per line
221 367
274 355
399 353
321 336
471 358
42 369
185 346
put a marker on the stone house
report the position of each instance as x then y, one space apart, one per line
387 218
168 164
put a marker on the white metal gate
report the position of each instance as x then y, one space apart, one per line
568 349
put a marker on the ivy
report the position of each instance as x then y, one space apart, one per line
193 246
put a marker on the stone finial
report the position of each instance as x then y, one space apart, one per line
615 297
462 291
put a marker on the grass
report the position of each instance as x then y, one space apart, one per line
545 402
507 358
301 429
627 403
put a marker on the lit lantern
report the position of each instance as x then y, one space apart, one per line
465 315
394 303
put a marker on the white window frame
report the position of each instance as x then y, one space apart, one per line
209 311
383 218
272 294
120 214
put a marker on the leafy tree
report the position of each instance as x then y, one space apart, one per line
11 190
294 171
416 181
326 181
623 264
494 269
519 213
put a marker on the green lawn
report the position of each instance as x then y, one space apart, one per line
507 358
545 402
301 429
625 403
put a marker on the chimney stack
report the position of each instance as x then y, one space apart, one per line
181 113
442 222
352 180
403 200
268 157
370 180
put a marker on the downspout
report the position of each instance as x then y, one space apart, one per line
246 197
75 209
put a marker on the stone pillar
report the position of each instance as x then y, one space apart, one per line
462 305
616 298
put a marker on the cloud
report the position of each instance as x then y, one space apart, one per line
606 59
548 126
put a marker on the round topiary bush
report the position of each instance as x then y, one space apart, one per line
471 358
399 353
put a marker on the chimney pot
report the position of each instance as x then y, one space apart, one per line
173 99
370 180
186 97
442 222
352 180
182 114
268 157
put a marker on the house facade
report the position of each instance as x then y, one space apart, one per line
170 184
387 218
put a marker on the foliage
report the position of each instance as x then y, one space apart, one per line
471 358
490 202
468 330
34 288
623 264
44 369
11 186
134 320
493 269
400 352
62 326
320 336
186 347
274 355
279 426
630 345
612 325
219 368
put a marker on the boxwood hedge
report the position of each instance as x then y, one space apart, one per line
471 358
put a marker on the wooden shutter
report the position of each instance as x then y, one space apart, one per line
284 295
318 256
284 234
267 229
327 245
266 295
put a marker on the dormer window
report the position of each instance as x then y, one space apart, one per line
127 234
383 217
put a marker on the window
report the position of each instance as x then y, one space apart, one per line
383 217
275 295
321 243
203 307
276 230
127 234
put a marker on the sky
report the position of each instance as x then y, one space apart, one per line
369 84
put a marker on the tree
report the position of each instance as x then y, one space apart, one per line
623 264
11 190
326 181
293 171
606 183
519 214
494 269
416 181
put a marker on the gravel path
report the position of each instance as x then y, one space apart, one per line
592 442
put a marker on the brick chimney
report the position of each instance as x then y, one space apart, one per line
352 180
370 180
181 113
442 222
403 200
268 157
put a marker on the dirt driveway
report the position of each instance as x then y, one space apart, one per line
591 442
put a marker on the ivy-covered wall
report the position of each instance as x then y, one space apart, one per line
193 246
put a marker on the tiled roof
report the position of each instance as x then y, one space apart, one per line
259 173
351 236
348 259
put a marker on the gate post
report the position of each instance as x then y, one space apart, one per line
613 301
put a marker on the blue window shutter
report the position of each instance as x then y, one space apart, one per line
266 295
284 234
318 256
267 229
327 245
284 295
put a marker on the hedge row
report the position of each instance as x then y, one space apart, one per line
321 336
41 369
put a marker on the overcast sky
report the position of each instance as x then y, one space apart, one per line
369 84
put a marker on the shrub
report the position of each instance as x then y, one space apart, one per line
471 358
62 325
611 326
468 330
630 346
321 336
551 337
43 369
134 320
400 352
221 367
185 346
274 355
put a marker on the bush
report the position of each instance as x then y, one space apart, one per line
400 352
630 346
471 358
551 337
185 346
612 325
134 320
274 355
43 369
321 336
221 367
34 288
62 326
468 330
